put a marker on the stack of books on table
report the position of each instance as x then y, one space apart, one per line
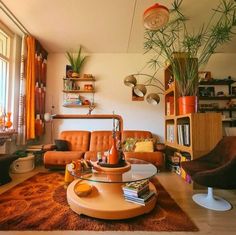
138 192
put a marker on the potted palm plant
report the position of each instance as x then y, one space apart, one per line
185 51
76 61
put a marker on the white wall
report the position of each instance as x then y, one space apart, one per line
112 95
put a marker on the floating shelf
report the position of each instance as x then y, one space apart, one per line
79 91
77 106
81 79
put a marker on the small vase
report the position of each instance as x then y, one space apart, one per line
113 155
187 104
8 123
75 75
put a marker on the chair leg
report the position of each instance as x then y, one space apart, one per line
211 202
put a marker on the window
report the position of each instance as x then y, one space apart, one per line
4 68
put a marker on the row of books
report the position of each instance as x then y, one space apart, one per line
183 134
138 192
170 133
174 164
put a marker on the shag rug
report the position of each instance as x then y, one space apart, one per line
39 203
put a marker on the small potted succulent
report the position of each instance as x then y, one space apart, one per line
76 62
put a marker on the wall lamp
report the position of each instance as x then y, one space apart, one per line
140 89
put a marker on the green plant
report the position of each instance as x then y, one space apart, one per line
76 60
174 37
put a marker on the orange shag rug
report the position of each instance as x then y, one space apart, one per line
39 203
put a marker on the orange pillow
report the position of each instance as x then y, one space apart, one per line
144 146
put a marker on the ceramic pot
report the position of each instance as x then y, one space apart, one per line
187 104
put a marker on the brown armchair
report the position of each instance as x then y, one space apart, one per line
217 169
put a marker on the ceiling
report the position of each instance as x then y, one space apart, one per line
100 26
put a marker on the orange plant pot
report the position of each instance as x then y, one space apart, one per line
187 104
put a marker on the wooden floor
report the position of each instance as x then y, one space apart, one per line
209 222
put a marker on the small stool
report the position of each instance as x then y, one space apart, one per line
5 162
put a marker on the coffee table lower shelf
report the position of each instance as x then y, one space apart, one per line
106 201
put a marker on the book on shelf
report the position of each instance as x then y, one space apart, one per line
183 134
170 133
142 200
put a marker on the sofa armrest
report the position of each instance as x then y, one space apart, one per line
48 147
155 158
54 159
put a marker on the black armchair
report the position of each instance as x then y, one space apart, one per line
217 169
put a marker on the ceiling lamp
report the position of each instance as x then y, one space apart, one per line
130 81
155 17
153 98
140 90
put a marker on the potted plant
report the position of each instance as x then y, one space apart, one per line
186 52
76 61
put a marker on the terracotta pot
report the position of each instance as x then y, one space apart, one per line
187 104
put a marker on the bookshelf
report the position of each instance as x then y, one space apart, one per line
192 134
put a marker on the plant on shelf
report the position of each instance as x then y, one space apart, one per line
76 61
187 51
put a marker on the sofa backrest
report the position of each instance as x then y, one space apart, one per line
135 134
101 140
78 140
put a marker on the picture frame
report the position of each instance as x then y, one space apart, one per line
233 90
204 75
206 91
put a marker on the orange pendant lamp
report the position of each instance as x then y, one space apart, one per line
155 17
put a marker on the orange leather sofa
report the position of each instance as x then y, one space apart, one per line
78 142
83 144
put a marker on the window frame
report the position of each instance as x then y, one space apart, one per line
8 58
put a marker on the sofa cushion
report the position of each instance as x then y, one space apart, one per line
62 145
130 144
101 140
78 140
144 146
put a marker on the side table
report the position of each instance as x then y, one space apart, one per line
5 162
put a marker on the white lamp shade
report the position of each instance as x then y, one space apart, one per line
155 17
140 90
47 117
153 98
130 81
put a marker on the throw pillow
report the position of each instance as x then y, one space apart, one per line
62 145
129 145
144 146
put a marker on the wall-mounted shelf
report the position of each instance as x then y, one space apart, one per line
76 92
79 91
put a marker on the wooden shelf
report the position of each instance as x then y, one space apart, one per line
216 97
217 82
76 106
79 91
81 79
216 109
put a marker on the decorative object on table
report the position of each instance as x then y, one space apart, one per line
83 189
76 62
81 166
68 177
138 192
113 152
139 90
189 51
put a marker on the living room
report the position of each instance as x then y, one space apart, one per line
111 36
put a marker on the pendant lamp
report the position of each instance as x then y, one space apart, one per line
155 17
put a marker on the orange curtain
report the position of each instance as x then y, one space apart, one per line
30 88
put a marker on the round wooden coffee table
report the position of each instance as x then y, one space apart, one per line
106 201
